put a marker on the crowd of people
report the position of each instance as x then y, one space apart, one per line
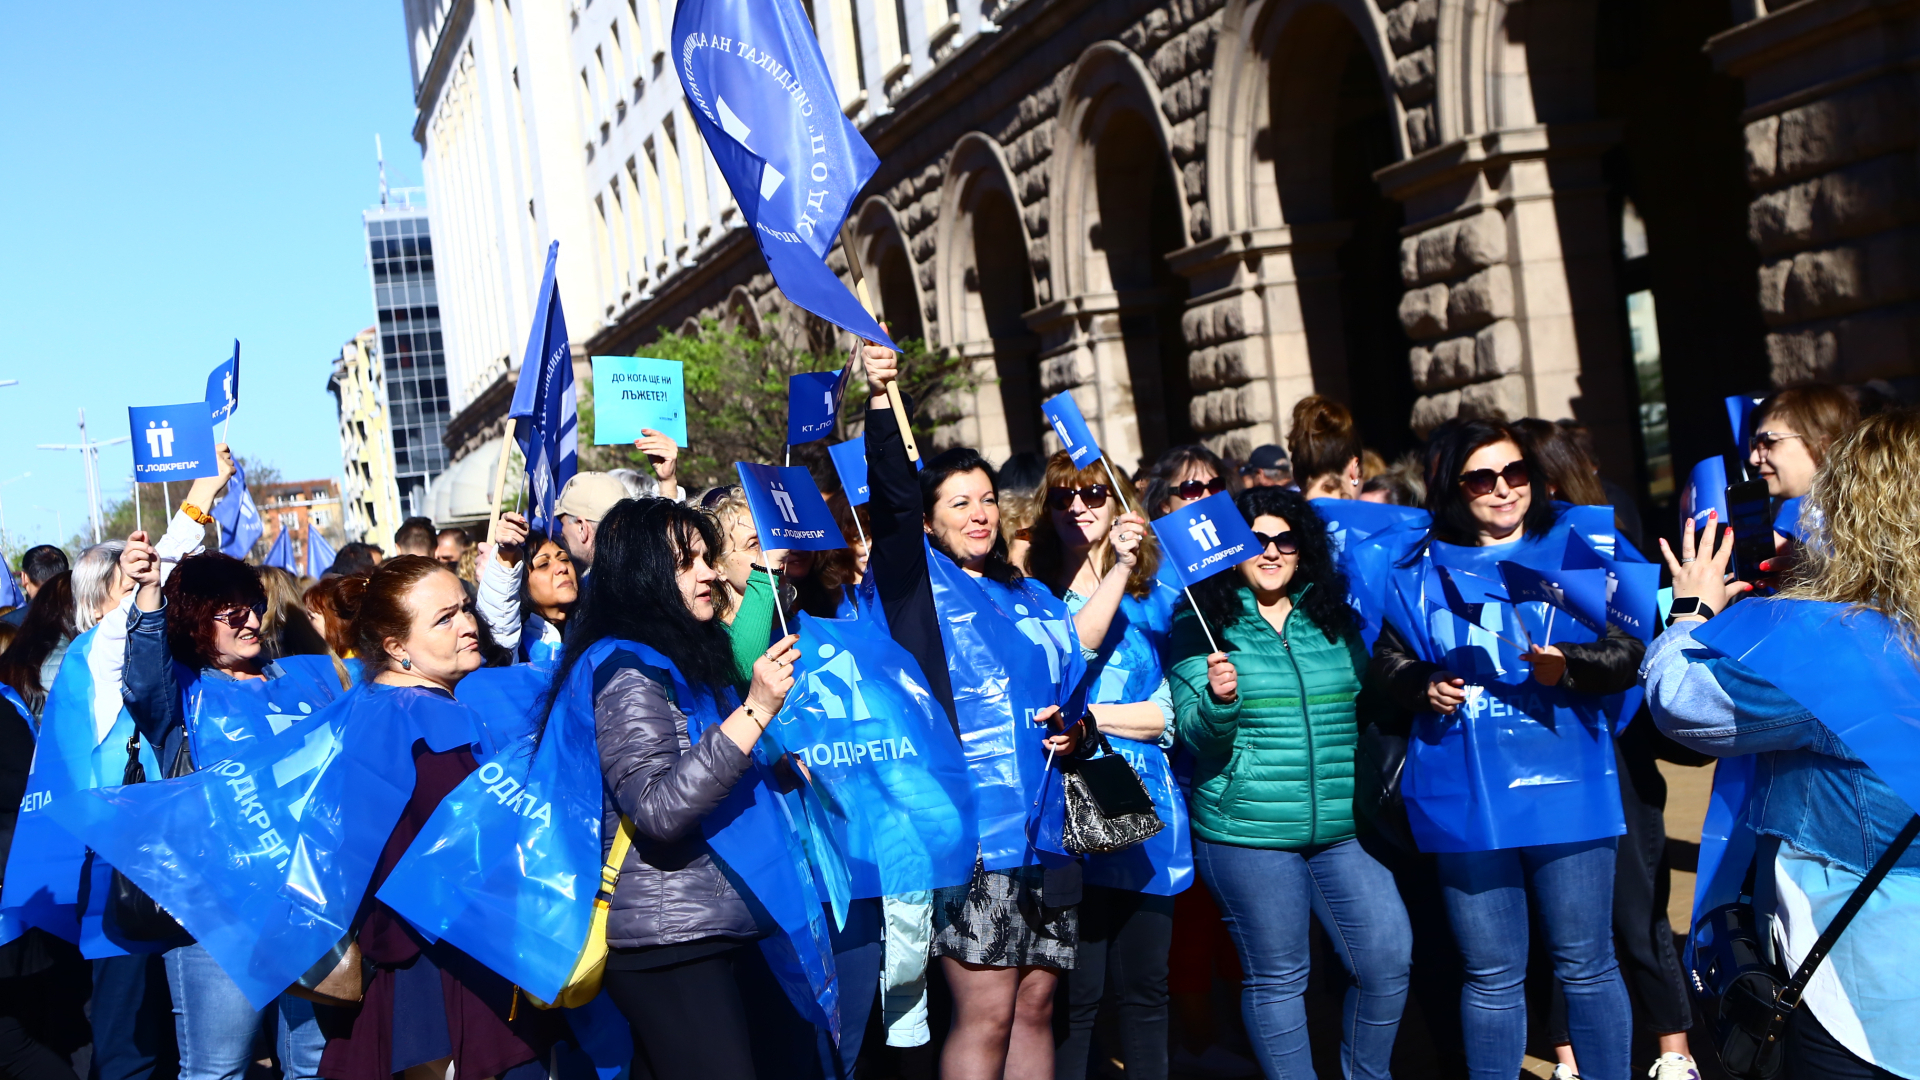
1464 797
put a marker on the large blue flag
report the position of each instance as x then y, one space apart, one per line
813 404
546 405
172 442
320 554
1205 537
788 511
280 555
223 386
763 100
1076 438
240 525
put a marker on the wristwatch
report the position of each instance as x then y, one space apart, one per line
1688 605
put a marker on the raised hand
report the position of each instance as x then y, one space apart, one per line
664 455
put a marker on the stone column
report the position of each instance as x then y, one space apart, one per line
1831 135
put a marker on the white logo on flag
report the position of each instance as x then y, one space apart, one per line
160 439
730 122
1204 533
784 503
1060 429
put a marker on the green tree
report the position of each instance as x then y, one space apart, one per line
737 399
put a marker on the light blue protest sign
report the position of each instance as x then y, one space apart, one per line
223 386
1706 490
1205 537
1076 438
172 442
850 461
813 404
788 511
635 392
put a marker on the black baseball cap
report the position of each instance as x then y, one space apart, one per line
1268 456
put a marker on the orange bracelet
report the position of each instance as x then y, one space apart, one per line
196 513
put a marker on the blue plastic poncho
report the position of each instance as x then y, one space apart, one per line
1519 763
44 864
889 773
265 856
1127 669
1011 652
223 712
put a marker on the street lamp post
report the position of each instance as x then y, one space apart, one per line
90 461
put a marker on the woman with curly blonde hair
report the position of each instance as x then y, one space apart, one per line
1801 693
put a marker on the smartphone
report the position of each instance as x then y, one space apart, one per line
1751 512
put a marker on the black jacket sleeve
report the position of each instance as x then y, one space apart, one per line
1399 672
898 556
1604 667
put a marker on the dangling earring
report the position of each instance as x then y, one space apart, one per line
407 664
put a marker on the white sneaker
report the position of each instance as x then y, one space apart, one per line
1213 1063
1673 1066
1561 1072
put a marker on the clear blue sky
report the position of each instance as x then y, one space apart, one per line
179 175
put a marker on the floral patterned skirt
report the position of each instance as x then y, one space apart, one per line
1001 919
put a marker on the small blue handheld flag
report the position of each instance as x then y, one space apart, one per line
281 553
320 554
10 594
172 442
788 511
545 404
1740 417
1632 587
1063 415
850 461
813 404
1205 537
1580 593
240 525
223 386
1706 490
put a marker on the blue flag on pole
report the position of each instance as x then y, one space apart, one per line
1706 490
281 553
1740 417
1205 537
545 404
10 594
762 98
788 511
320 554
1580 593
1076 438
1633 586
239 519
813 404
850 461
172 442
223 386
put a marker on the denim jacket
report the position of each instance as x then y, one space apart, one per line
1809 788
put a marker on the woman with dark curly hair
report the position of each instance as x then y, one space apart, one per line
1273 721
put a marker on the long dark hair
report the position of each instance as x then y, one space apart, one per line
48 622
951 463
638 552
1325 604
197 591
1453 520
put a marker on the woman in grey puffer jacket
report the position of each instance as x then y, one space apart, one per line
677 925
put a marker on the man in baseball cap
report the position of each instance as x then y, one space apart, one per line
583 503
1267 466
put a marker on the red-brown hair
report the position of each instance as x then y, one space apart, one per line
201 587
381 606
325 599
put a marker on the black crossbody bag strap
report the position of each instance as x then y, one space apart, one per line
1789 998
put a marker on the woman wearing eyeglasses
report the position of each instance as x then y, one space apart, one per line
1272 722
1098 557
1792 431
198 682
1509 777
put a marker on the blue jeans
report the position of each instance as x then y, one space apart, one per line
1266 897
1572 887
216 1026
129 1012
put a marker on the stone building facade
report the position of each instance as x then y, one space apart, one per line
1191 213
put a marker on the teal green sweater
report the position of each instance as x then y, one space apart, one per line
1275 767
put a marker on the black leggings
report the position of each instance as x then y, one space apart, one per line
1124 940
688 1020
1814 1054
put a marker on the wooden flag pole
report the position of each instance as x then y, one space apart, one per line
866 301
500 480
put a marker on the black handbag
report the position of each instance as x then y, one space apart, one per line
129 909
1746 996
1108 808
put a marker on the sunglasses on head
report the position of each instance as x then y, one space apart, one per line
1281 541
1483 481
236 617
1194 489
1093 495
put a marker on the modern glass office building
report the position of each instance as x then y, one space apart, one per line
400 257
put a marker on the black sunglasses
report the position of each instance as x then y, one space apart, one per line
1193 489
236 617
1483 481
1093 495
1283 541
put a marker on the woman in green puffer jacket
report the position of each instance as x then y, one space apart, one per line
1271 723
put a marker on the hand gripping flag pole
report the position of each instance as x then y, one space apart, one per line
866 301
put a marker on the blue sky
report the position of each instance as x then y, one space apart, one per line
179 175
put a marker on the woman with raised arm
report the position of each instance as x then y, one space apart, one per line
1000 654
528 591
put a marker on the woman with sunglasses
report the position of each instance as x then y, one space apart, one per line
1509 776
1101 560
999 653
1272 721
199 680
